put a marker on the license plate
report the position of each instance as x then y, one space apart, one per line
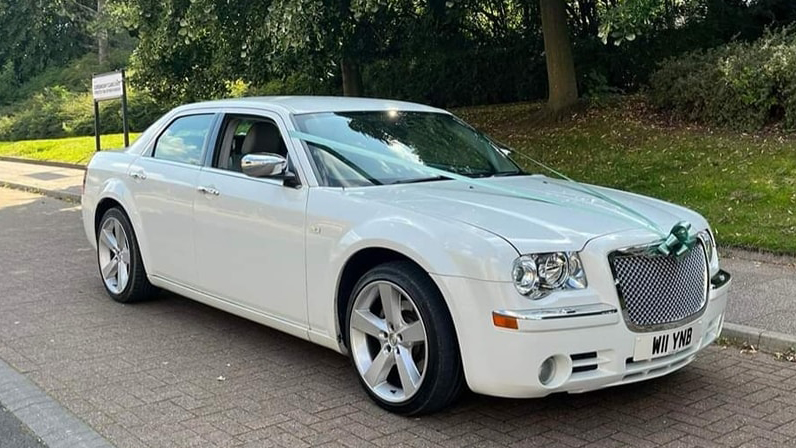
661 344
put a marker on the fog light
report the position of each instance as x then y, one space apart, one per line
547 371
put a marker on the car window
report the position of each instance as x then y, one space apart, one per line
431 139
140 144
244 135
184 139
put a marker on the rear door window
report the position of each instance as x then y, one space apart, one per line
184 140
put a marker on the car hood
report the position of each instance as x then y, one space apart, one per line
529 225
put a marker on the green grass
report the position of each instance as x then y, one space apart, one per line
744 185
71 149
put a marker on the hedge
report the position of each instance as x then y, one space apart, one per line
741 85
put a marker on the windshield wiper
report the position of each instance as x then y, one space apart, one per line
474 175
508 173
420 179
495 174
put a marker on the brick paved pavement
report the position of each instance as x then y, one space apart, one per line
148 374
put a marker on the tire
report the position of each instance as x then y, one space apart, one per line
399 372
117 245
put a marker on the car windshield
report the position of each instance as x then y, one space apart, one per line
431 139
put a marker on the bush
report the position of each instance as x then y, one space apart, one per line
741 85
57 102
294 84
57 112
74 76
8 81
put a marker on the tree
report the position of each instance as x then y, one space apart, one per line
619 21
344 34
34 36
561 80
194 50
102 33
92 17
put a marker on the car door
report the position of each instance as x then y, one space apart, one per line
249 232
163 185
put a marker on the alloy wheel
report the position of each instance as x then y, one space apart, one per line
114 255
388 341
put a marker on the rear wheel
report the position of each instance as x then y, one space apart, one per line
402 340
119 259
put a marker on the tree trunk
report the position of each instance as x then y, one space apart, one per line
437 9
352 77
561 80
102 34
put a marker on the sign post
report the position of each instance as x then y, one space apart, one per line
109 86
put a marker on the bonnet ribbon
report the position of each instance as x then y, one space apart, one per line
677 242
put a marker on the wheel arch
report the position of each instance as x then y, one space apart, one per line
103 206
359 263
115 194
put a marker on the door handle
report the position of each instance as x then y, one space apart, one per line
138 175
208 190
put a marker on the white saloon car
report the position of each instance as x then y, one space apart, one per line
396 234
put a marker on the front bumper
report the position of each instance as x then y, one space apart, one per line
592 345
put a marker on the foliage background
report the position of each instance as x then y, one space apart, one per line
446 53
744 85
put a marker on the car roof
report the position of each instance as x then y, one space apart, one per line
314 104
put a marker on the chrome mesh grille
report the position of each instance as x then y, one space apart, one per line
658 290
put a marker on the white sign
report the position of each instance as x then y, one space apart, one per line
107 86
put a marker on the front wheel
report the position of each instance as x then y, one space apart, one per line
402 340
120 264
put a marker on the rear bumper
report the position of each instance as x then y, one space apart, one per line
593 347
88 205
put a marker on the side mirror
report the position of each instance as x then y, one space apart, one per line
263 164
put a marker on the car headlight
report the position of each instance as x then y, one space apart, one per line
709 242
537 275
525 275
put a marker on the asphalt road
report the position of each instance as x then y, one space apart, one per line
173 372
763 292
14 434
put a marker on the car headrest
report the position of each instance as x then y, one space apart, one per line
263 137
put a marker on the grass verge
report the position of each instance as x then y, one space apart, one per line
744 185
71 149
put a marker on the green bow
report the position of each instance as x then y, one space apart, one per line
679 241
